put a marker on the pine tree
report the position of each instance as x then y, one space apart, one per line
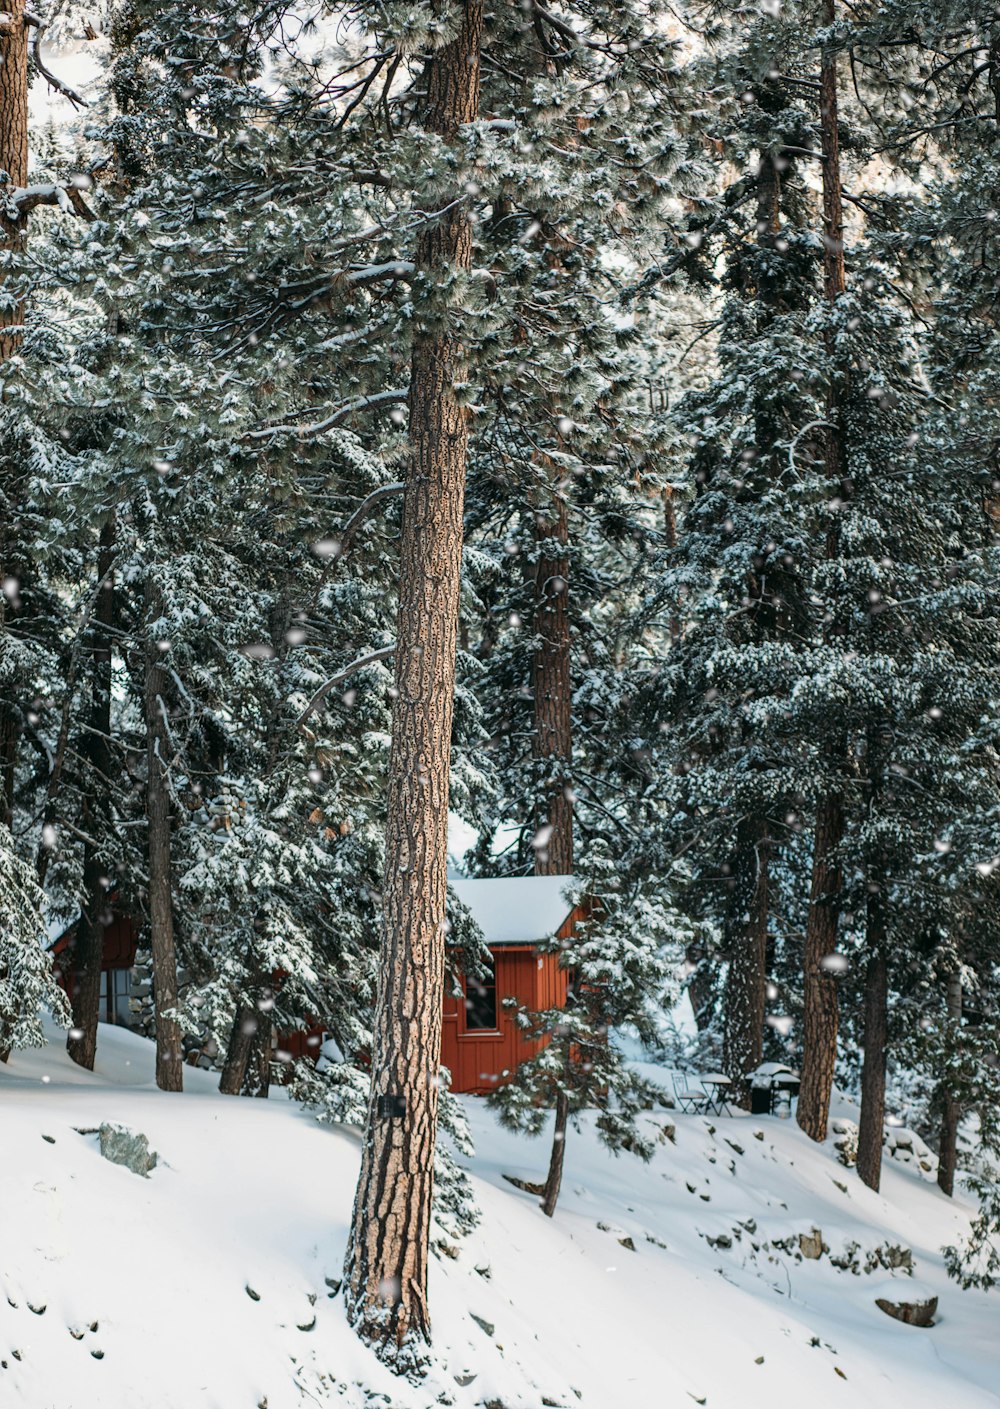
387 1256
27 984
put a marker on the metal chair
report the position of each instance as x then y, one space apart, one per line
694 1100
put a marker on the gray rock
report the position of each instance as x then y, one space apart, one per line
123 1146
811 1245
915 1310
486 1326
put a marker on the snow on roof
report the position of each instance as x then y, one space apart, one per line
516 909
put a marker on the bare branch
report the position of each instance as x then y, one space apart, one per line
336 418
340 677
50 78
387 491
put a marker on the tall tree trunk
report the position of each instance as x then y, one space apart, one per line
553 1182
169 1064
13 149
386 1266
88 954
257 1079
746 985
950 1113
238 1051
553 741
871 1128
820 1013
700 988
670 539
745 996
553 730
13 161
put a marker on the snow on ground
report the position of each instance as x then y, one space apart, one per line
204 1286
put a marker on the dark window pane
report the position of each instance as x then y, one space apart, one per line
122 988
481 1003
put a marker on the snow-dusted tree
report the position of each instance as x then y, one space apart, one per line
935 80
27 983
619 973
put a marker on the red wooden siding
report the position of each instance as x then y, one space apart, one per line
302 1042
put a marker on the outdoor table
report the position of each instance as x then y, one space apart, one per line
715 1084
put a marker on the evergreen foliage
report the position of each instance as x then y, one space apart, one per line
205 429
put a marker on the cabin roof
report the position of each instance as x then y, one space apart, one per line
517 909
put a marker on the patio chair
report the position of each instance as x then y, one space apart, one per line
692 1099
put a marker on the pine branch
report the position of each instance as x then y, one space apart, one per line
36 54
364 509
336 418
22 199
340 677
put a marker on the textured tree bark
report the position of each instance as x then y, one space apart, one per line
670 539
701 988
746 985
169 1064
552 681
950 1113
820 1013
386 1265
871 1127
13 150
553 740
238 1051
81 1044
257 1080
13 161
745 996
553 1182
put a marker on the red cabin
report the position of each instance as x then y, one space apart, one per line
481 1043
121 937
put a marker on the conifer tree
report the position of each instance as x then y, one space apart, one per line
387 1256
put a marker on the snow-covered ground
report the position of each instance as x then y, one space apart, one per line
205 1285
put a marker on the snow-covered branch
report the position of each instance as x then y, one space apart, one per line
50 78
19 200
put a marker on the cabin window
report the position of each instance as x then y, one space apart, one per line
481 1003
115 986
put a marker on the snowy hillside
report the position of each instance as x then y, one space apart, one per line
206 1285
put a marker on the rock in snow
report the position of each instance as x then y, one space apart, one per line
123 1146
907 1301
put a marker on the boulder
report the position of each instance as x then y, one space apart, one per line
845 1141
123 1146
907 1302
811 1245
